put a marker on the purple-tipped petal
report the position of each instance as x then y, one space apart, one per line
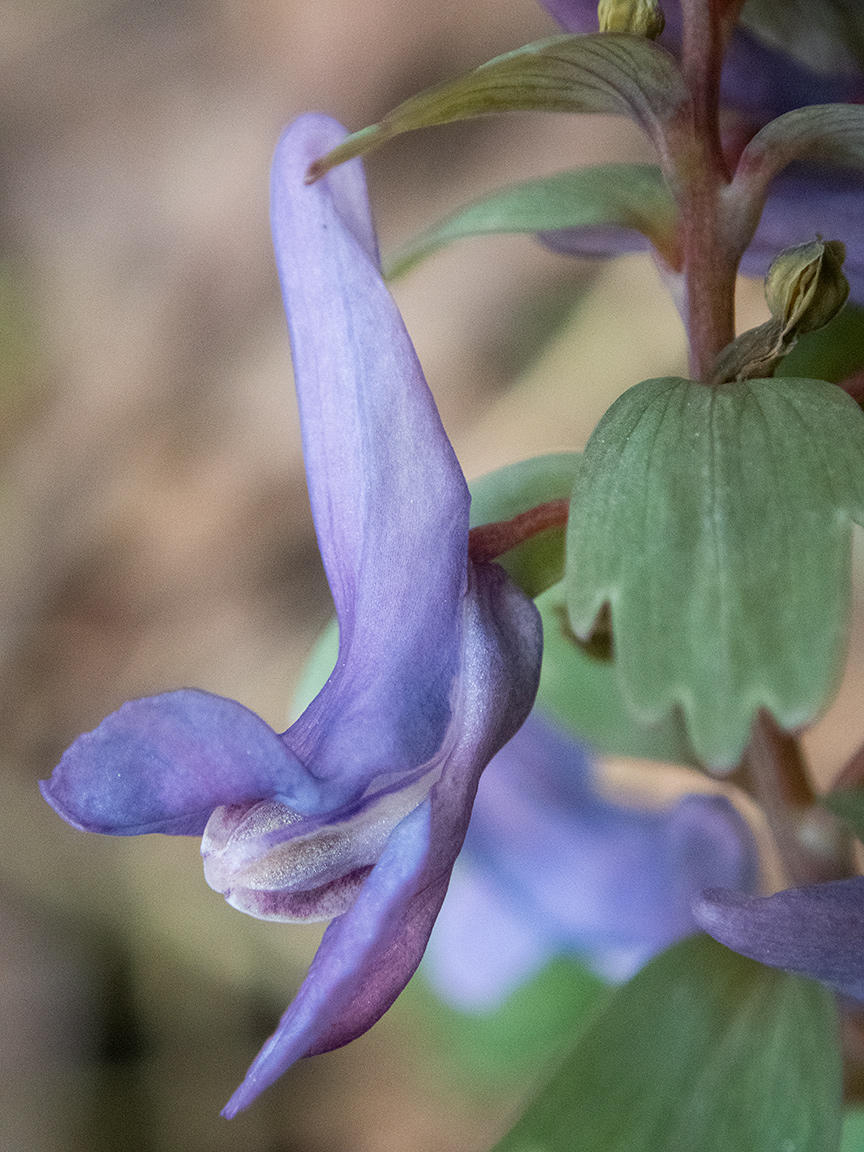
816 931
368 955
162 764
389 500
260 856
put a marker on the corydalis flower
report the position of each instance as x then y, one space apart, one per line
358 811
552 867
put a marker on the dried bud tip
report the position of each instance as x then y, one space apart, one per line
805 287
641 17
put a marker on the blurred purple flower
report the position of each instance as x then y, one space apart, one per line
551 867
816 931
358 811
758 83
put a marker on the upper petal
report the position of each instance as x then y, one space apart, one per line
817 930
162 764
368 955
388 497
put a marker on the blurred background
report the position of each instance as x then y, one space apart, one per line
156 531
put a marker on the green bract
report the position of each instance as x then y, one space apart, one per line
606 72
632 196
716 524
584 695
704 1050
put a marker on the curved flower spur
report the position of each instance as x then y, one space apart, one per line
359 810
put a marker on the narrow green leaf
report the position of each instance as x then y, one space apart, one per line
849 806
583 694
704 1050
606 72
633 196
537 563
716 524
827 133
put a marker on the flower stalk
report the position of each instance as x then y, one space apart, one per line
812 845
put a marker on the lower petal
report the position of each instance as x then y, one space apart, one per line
368 955
364 961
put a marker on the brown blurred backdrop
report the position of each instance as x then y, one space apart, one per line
155 527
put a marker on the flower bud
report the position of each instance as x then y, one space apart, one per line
805 287
641 17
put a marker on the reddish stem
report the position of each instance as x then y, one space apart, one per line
710 273
812 844
489 541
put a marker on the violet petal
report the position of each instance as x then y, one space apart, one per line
162 764
368 954
816 931
388 497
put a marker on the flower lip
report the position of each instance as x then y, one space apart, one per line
269 847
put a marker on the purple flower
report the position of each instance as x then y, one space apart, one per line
552 867
816 931
758 83
358 811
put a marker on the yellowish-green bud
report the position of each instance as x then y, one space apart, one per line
641 17
805 287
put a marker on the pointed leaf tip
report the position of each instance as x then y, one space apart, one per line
352 146
606 72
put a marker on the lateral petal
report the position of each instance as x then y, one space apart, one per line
368 955
388 497
162 764
817 930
